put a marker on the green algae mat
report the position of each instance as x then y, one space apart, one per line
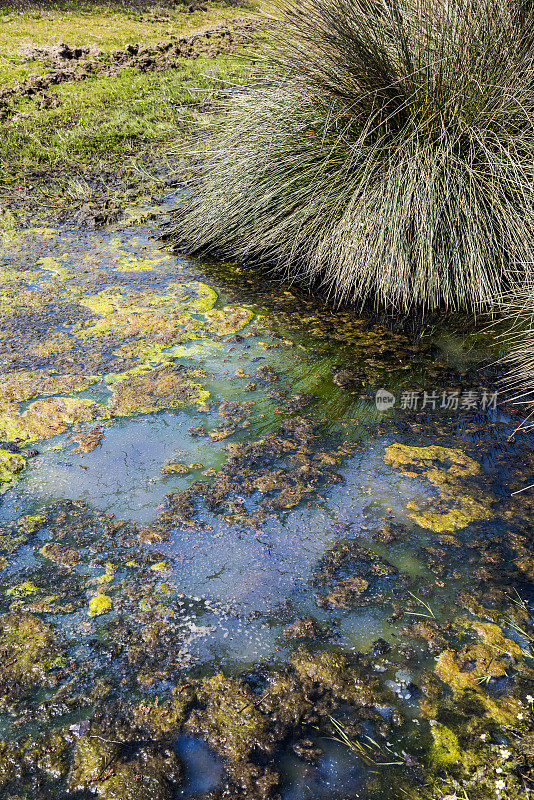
251 547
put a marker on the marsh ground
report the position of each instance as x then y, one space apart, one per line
100 117
225 571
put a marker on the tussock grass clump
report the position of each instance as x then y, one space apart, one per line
385 151
518 310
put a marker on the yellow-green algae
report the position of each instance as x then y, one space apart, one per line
98 767
161 388
30 649
25 526
160 566
44 417
92 755
232 723
445 750
176 303
10 465
108 575
162 720
31 523
44 605
59 554
333 671
455 468
21 385
99 604
175 469
139 326
49 417
467 670
228 320
23 589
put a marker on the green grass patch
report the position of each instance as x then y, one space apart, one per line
110 122
106 27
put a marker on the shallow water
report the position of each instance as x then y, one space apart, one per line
114 307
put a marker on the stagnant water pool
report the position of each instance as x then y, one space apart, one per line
250 546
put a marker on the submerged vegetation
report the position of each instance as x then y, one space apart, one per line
385 150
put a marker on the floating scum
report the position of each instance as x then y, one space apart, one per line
384 151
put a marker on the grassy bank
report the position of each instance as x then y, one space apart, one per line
106 26
107 121
119 121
